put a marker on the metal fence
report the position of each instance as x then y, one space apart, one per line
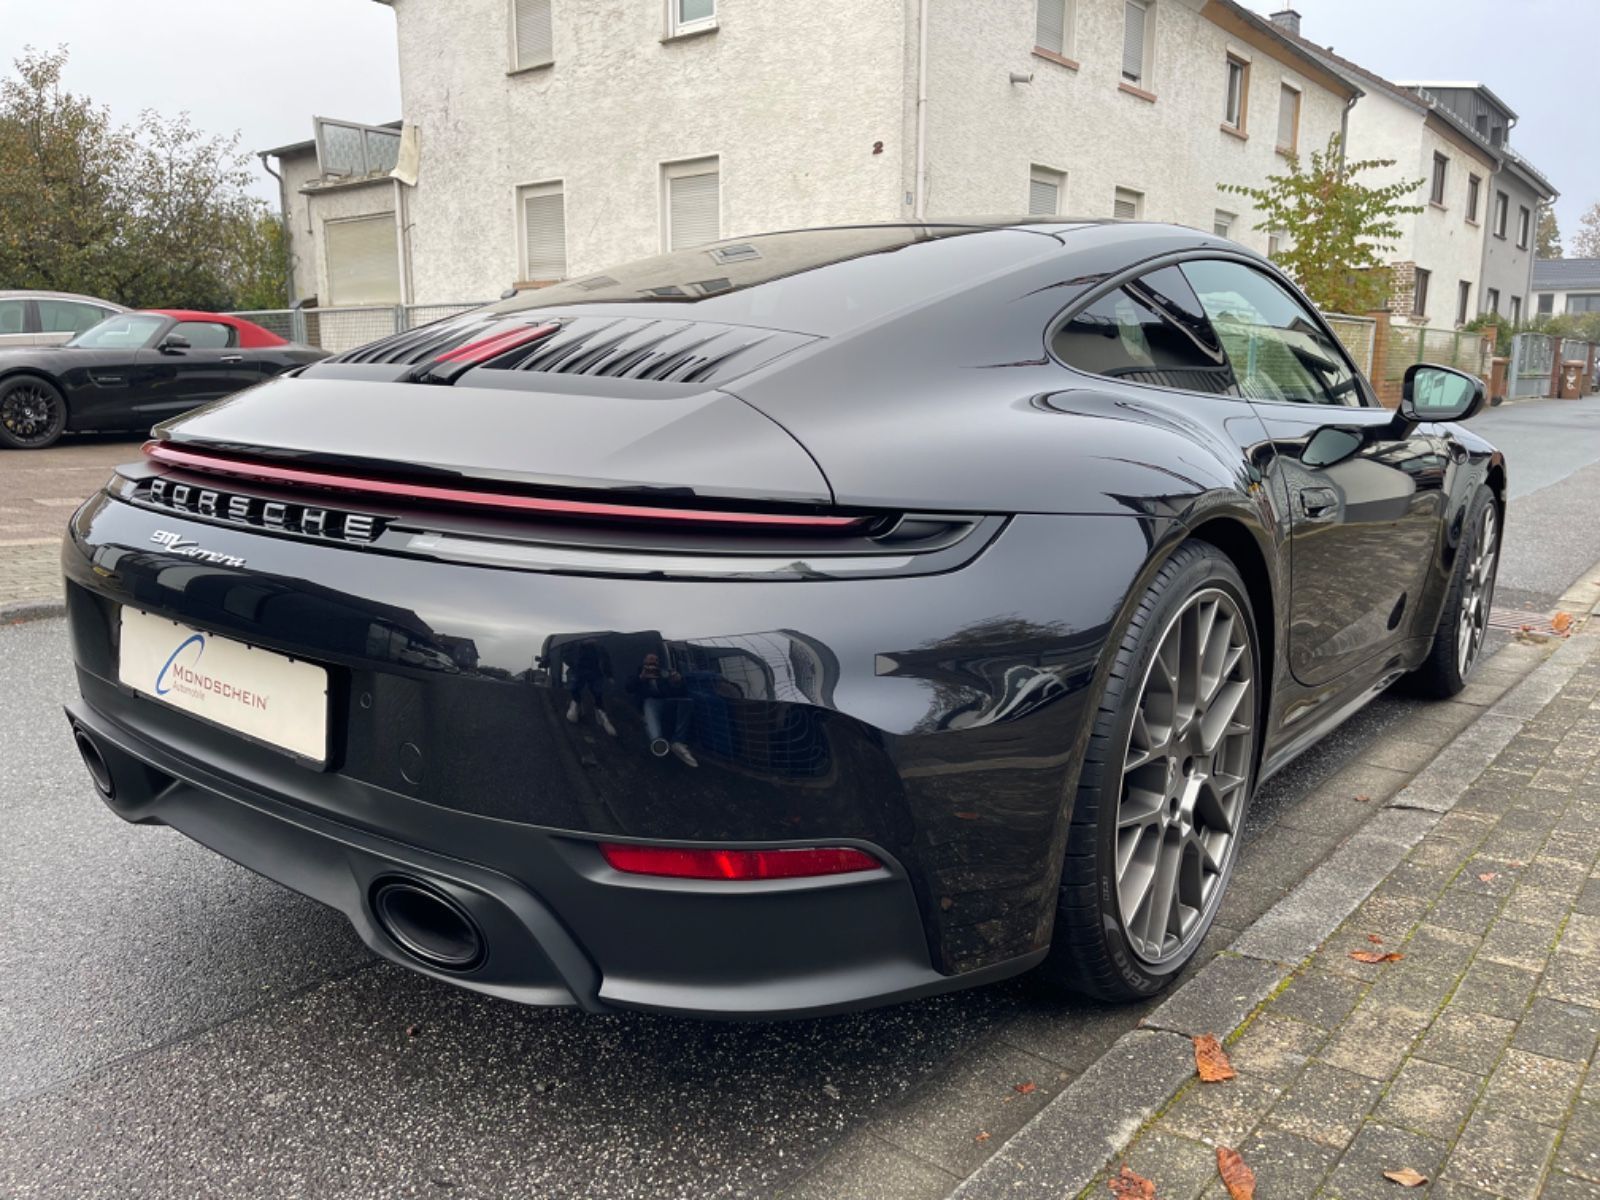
1359 335
340 329
1408 344
1533 357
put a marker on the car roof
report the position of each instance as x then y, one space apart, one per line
829 280
42 294
251 335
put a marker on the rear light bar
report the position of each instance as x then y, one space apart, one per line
682 862
391 489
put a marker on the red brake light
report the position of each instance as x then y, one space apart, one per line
546 505
682 862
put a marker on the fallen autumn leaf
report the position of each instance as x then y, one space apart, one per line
983 1136
1025 1088
1236 1174
1376 956
1406 1177
1126 1185
1210 1060
1488 877
1561 622
1374 939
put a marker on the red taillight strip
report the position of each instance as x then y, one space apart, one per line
395 490
484 349
683 862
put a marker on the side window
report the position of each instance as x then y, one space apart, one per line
205 335
68 316
13 316
1277 349
1151 330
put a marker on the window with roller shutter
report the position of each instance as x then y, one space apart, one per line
1127 205
1135 20
692 199
1044 192
363 261
543 209
1054 21
532 38
1288 118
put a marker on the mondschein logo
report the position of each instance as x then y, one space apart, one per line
185 679
194 639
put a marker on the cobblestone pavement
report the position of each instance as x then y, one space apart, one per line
38 491
1472 1058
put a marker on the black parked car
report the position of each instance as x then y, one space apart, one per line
790 624
132 370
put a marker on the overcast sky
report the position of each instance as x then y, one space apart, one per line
261 69
264 69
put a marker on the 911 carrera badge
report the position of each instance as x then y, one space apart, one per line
176 543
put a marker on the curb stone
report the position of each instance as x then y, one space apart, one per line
32 610
1082 1130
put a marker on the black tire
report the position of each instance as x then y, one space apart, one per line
33 412
1469 598
1093 950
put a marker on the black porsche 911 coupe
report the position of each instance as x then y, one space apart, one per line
134 369
796 623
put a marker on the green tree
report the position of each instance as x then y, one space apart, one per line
1548 238
1338 227
152 215
1586 243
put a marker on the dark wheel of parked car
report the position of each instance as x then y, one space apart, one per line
1165 785
32 413
1465 619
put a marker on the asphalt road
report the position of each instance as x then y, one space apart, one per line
171 1025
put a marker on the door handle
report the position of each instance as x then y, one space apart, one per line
232 358
1318 501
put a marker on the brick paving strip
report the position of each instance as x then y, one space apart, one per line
1471 1060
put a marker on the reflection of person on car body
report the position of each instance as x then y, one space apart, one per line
662 695
590 669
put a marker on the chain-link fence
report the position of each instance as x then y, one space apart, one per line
340 329
1358 334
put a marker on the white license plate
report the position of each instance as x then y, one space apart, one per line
267 696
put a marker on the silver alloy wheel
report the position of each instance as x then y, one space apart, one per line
27 411
1185 775
1477 593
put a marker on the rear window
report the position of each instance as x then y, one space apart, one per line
820 281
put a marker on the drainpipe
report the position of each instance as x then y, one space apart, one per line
402 242
920 187
283 216
1344 131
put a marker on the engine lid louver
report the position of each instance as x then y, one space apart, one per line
650 349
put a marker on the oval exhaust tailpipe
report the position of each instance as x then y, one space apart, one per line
426 924
96 762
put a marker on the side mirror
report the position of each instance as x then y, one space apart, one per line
1436 393
173 343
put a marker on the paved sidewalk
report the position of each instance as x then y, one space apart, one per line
1471 1059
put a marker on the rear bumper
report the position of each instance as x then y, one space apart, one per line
767 949
936 721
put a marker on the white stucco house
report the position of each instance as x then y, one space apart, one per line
339 201
1470 249
554 137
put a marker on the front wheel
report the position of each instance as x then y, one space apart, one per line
32 413
1464 621
1165 785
